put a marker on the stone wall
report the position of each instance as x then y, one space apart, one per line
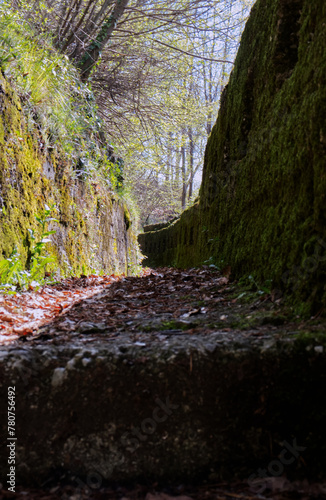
95 231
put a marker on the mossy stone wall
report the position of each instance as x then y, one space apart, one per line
94 233
262 203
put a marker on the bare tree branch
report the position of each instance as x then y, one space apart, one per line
193 55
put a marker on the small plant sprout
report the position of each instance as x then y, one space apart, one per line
14 275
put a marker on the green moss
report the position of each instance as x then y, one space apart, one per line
83 241
310 342
127 218
172 325
2 132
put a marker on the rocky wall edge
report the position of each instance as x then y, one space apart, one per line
95 231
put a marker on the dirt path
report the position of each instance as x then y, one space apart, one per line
169 302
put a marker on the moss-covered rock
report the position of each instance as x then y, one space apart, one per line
95 231
262 202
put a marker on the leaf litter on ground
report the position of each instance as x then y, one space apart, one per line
151 307
25 312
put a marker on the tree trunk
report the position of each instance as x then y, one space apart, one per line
191 161
93 51
75 29
184 180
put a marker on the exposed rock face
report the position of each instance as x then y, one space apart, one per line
94 230
262 204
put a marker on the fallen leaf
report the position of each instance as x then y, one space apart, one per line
191 313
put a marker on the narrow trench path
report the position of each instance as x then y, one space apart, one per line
161 304
154 308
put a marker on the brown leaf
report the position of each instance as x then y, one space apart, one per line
193 312
226 271
164 496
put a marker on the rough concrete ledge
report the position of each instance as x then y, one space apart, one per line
193 407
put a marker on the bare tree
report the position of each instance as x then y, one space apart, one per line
93 51
157 70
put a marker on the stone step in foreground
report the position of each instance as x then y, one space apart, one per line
217 406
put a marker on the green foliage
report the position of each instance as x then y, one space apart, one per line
54 99
215 263
261 289
172 100
44 80
11 273
156 100
14 275
250 288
